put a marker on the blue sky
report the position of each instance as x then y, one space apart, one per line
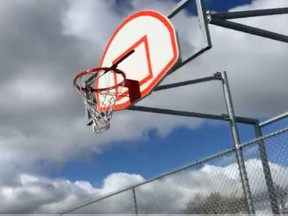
154 154
46 147
220 6
224 5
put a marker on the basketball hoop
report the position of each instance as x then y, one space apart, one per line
99 101
100 88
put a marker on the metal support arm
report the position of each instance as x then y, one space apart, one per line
222 117
189 82
248 29
250 13
220 19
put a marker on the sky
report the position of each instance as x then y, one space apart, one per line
48 154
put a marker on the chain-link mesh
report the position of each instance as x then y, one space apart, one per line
266 163
211 186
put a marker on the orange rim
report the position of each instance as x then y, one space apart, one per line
96 71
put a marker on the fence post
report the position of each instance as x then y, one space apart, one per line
267 171
135 201
236 139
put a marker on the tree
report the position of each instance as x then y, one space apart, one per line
216 203
281 196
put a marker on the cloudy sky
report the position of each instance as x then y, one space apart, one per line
52 159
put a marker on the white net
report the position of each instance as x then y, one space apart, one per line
99 89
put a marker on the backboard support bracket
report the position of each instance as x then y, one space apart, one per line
221 117
215 77
221 19
203 21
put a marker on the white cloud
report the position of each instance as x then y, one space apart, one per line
42 117
42 113
166 195
117 181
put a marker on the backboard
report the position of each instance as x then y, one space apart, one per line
143 50
154 41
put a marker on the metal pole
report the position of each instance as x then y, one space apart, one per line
236 139
267 171
250 13
135 200
202 18
188 82
249 29
272 120
180 6
222 117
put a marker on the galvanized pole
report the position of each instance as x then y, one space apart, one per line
135 201
276 118
236 139
267 171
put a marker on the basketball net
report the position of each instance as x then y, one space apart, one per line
99 92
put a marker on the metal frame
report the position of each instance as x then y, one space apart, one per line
230 116
266 170
233 123
203 19
135 201
236 139
221 19
274 119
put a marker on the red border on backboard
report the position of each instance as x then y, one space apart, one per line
165 70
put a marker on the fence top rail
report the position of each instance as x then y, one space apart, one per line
276 133
274 119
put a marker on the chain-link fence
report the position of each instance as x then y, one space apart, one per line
268 194
210 186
